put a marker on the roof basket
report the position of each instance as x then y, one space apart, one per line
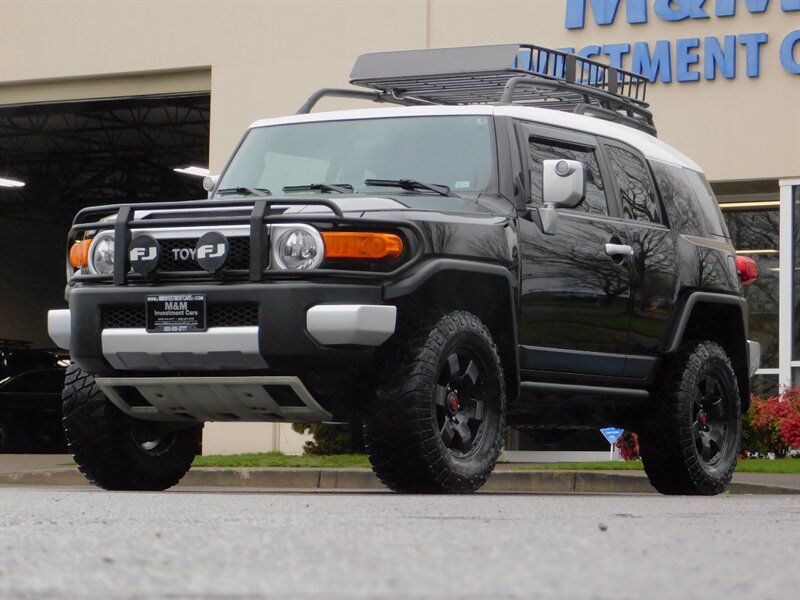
521 74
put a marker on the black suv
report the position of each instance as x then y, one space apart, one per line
509 244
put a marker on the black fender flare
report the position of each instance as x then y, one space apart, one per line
426 270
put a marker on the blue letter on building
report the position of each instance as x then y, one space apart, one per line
615 53
678 10
604 11
715 57
753 41
787 52
684 57
657 65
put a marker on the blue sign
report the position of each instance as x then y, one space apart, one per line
612 434
692 58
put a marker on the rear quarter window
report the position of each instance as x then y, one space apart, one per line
708 204
683 211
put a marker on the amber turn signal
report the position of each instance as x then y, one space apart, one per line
79 254
361 245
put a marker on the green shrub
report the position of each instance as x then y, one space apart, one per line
332 439
772 425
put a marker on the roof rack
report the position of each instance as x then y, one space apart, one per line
521 74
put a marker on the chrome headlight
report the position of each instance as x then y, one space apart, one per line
101 253
298 247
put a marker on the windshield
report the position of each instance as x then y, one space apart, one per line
454 151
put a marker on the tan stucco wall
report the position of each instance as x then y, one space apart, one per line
266 57
235 438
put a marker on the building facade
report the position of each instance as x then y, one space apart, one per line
87 89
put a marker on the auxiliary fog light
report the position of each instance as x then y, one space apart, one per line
101 254
299 249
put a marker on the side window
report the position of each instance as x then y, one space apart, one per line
540 150
635 187
683 211
708 203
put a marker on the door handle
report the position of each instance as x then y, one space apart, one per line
619 249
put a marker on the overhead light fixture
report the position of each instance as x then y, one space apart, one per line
764 251
758 204
11 183
196 171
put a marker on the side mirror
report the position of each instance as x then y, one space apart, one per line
563 186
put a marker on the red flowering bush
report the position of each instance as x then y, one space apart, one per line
628 445
772 424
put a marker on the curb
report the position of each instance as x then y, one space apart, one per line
531 482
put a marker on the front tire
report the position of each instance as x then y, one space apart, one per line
437 420
117 452
690 441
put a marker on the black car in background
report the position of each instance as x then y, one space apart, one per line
31 381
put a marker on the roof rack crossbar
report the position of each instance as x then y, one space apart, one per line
595 100
377 96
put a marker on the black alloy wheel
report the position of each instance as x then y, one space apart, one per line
711 421
459 402
436 422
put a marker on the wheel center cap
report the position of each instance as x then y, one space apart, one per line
452 402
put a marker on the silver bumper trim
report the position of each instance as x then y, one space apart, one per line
275 399
59 325
216 349
754 356
359 324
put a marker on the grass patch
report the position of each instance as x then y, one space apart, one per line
764 465
276 459
360 461
751 465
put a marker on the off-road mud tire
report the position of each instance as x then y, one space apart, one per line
107 444
670 436
416 444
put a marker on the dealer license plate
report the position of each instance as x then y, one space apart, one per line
176 313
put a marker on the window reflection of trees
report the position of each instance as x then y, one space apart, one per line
684 215
635 187
796 275
595 202
758 230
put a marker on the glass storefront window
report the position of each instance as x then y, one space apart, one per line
754 233
796 277
764 386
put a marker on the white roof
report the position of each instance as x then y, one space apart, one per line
651 147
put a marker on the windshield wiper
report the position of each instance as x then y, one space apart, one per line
411 185
342 188
246 189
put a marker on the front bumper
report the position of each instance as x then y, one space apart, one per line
297 324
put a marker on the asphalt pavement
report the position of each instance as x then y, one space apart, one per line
60 542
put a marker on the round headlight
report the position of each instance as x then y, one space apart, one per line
299 249
101 254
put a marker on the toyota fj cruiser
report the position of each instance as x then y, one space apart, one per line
509 244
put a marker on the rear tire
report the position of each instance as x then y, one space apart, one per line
437 420
690 441
117 452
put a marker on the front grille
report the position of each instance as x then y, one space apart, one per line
123 317
232 315
218 315
238 255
